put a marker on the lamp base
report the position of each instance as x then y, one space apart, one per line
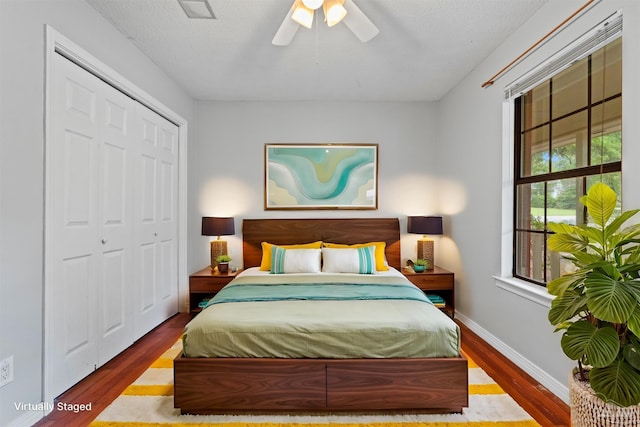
425 251
218 247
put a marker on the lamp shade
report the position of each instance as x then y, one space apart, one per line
217 226
424 225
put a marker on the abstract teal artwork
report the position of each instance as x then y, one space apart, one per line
321 176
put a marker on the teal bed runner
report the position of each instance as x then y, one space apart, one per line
317 292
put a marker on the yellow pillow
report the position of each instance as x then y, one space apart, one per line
381 264
265 265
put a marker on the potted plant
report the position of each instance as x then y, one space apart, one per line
420 265
597 307
223 263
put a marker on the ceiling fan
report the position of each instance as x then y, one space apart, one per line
335 11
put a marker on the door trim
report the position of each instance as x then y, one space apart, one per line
56 43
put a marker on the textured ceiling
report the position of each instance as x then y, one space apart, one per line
425 47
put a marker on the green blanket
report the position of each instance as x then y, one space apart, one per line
317 292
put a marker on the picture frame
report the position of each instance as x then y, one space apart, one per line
320 176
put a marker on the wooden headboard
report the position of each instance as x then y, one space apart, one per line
335 230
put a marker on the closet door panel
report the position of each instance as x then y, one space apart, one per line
77 187
114 320
78 336
156 221
148 275
166 284
73 225
146 235
116 285
168 217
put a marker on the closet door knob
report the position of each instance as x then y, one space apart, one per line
104 241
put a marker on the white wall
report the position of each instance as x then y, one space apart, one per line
471 157
226 168
22 43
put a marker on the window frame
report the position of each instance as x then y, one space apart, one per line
601 35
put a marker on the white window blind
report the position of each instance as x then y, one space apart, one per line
600 35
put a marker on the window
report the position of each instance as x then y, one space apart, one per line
567 133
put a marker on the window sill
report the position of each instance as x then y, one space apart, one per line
524 289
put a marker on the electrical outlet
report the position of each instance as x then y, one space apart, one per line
6 371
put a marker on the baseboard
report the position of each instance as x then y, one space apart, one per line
30 417
555 386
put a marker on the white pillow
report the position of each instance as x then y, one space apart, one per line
295 260
349 260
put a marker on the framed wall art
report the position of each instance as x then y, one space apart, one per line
321 176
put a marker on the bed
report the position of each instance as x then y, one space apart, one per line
223 373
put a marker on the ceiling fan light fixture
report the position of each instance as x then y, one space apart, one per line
302 14
313 4
334 12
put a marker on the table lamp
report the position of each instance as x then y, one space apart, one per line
217 226
425 225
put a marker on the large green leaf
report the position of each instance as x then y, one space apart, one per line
631 354
567 243
560 285
634 321
599 345
618 221
585 258
566 306
561 227
633 256
618 383
600 203
609 299
593 234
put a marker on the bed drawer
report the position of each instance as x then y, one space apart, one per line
398 384
248 384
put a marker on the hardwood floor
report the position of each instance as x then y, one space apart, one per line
104 385
544 406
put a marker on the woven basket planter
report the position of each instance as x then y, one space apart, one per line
587 410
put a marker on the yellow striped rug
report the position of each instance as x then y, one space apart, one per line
148 402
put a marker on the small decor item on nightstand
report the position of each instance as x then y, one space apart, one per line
437 300
223 263
420 265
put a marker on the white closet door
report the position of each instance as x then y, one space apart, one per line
74 230
92 228
155 199
115 227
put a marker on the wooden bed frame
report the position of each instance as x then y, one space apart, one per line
227 385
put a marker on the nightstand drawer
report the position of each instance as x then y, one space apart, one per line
207 285
433 281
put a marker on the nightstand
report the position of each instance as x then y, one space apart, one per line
437 281
205 284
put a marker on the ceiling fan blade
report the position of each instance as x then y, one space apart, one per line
287 29
358 22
